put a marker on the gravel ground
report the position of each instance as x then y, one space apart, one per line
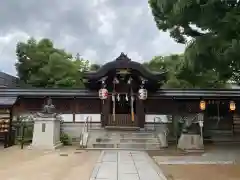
201 172
66 164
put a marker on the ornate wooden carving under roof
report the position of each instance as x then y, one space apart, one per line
124 63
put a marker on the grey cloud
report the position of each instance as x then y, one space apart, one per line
74 25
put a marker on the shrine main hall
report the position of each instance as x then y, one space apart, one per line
124 94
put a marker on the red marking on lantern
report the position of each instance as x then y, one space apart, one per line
105 94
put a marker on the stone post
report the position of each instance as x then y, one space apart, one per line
46 132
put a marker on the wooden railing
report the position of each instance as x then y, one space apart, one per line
122 120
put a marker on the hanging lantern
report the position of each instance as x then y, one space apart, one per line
202 105
103 93
232 106
142 94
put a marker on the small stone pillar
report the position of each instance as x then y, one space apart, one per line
46 132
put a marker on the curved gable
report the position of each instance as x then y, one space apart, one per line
123 62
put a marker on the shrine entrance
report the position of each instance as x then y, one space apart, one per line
123 86
123 111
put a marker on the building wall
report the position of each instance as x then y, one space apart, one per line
71 109
171 106
75 111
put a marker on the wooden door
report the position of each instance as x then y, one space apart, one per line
122 120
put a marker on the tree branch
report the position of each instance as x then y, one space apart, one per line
191 32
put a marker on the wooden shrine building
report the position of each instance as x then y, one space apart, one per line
124 93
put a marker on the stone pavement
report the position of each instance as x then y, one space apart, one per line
126 165
218 155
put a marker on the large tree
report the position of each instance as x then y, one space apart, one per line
210 28
40 64
95 67
180 75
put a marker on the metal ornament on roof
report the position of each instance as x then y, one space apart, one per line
129 80
115 81
142 93
103 93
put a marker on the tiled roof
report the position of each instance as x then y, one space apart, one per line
7 80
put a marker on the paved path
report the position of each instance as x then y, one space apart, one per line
126 165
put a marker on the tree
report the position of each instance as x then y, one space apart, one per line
213 29
172 65
40 64
180 75
95 67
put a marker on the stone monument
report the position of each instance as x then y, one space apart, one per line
46 133
191 139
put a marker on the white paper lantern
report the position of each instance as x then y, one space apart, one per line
142 94
103 93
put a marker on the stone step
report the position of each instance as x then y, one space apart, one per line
139 141
103 145
130 149
123 128
130 138
146 134
105 139
128 145
123 132
120 136
128 141
139 145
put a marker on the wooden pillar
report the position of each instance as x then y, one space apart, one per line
140 112
10 138
105 111
74 108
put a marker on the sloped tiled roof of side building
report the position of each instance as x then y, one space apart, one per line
7 80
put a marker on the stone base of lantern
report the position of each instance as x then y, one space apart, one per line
190 142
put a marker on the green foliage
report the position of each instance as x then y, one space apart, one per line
40 64
95 67
65 139
210 28
180 75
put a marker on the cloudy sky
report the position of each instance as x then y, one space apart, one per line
98 29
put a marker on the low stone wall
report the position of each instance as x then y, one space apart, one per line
74 129
158 127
